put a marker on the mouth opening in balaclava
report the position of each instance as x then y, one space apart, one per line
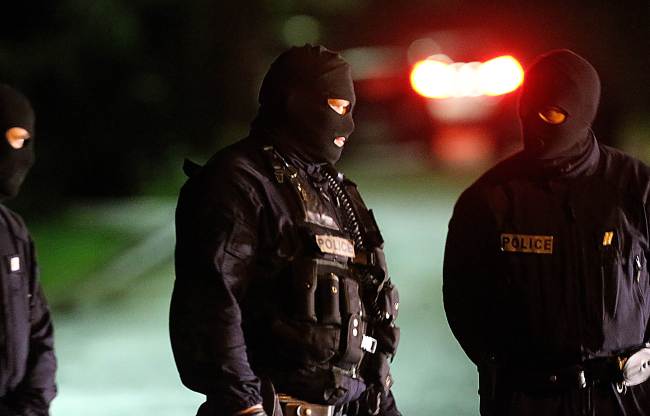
293 103
557 106
15 111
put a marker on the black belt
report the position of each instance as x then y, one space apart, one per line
580 376
296 407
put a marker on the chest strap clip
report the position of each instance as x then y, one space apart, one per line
369 344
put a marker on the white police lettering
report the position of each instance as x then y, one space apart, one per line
524 243
335 245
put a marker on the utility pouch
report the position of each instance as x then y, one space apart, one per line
488 375
387 338
328 293
330 275
353 325
376 371
388 302
353 353
305 281
351 299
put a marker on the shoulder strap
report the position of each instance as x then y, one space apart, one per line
367 224
191 168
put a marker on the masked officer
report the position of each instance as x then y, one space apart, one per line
282 295
27 362
546 274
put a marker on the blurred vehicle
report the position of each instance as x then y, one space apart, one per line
449 95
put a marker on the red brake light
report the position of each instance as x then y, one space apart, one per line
436 79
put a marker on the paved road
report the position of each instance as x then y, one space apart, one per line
115 357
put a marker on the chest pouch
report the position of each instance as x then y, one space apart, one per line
316 287
317 276
324 295
388 302
353 326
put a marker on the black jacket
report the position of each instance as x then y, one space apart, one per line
27 361
545 271
236 239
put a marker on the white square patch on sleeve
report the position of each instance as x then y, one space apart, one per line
14 263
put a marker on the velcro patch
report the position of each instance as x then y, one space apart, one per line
607 238
13 263
335 245
524 243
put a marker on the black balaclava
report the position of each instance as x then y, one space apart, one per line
293 103
15 111
565 81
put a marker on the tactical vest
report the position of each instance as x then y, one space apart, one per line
334 299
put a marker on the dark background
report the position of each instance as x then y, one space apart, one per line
124 90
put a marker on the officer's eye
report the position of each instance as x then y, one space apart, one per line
339 105
553 115
16 137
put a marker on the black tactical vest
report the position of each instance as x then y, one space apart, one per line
326 325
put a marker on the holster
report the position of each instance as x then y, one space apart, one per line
488 383
376 367
270 401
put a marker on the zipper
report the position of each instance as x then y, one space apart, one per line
577 252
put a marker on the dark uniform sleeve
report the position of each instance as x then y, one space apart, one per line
38 388
216 230
467 273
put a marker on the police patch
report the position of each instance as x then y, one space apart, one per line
335 245
524 243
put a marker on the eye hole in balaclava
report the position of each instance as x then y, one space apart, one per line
16 137
339 105
294 100
552 115
17 148
558 104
